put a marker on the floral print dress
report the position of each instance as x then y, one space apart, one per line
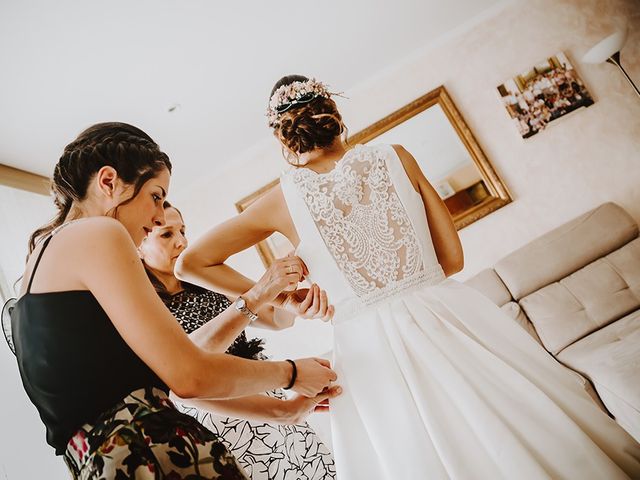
145 437
266 451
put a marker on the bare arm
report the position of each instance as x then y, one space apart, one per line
220 332
203 262
266 409
106 263
272 318
446 241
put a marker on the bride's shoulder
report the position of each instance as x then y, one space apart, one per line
382 153
378 149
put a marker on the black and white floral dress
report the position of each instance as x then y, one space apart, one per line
265 451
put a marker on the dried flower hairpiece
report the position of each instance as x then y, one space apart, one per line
295 93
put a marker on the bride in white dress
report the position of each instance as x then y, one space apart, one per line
437 381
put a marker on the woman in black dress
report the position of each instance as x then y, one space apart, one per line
266 433
98 350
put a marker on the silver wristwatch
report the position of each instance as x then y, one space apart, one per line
241 306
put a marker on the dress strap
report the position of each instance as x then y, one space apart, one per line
35 266
44 245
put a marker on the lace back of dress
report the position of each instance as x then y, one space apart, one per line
363 223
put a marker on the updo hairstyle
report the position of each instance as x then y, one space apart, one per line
307 126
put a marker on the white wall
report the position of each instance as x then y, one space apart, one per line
24 453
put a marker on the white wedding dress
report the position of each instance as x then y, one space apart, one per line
437 381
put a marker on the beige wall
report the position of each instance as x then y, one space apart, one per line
587 158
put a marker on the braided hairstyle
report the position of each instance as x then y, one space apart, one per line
130 151
308 126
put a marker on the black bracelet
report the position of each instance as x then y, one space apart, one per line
294 374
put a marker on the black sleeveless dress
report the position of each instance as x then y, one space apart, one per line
103 408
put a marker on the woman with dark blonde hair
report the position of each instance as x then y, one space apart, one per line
266 433
97 349
437 381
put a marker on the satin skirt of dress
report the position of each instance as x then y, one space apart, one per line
439 383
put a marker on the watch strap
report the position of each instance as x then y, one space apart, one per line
242 307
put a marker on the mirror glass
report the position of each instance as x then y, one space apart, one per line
433 130
443 157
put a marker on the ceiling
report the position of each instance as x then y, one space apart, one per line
67 64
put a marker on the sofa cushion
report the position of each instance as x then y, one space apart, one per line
564 250
610 358
489 284
515 312
592 297
625 262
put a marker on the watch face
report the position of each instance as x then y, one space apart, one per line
241 303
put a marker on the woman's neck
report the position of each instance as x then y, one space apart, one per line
169 280
85 208
322 160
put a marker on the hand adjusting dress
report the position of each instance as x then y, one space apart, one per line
438 382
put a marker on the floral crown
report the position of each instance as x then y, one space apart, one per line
295 93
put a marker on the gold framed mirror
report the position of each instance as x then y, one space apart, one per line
433 130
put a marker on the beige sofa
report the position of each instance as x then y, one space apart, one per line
576 290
